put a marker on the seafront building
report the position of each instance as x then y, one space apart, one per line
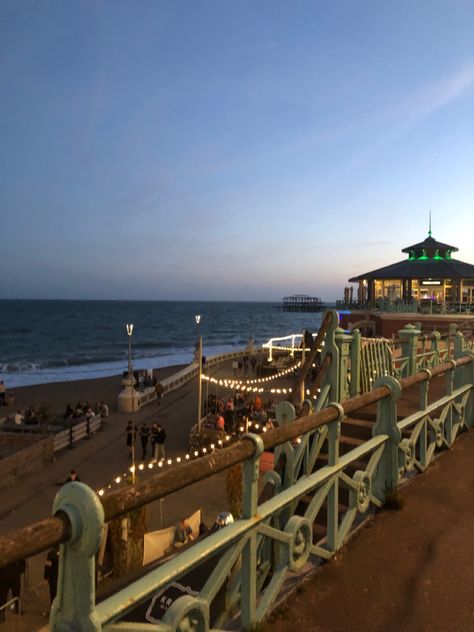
429 274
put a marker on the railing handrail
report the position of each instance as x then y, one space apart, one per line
44 534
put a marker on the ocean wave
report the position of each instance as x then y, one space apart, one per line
34 374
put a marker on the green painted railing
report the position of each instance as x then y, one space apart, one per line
318 499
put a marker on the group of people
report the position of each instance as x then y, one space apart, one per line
243 365
34 415
154 435
83 409
228 415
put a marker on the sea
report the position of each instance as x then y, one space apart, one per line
44 341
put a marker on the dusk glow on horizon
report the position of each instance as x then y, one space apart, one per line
229 151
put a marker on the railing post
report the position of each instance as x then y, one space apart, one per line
458 345
409 341
330 348
467 377
354 387
334 432
73 609
343 341
249 553
458 353
452 332
435 346
386 424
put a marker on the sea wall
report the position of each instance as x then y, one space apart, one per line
31 454
128 402
387 324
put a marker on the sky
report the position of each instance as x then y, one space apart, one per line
237 150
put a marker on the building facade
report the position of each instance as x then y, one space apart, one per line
429 274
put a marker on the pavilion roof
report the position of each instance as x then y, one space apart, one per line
421 269
430 243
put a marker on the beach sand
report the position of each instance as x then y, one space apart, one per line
57 395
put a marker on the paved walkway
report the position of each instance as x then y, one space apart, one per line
406 571
98 460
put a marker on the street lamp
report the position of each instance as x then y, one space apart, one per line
129 334
129 328
199 350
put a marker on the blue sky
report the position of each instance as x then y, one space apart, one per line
229 150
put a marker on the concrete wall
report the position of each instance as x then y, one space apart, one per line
31 455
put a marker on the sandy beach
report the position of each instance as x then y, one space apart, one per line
57 395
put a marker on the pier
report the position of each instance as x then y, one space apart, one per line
301 303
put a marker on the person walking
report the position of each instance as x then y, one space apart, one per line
160 438
144 435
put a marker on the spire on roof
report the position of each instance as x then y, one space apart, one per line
429 231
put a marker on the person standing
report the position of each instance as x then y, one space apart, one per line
51 569
10 579
159 391
131 432
144 435
2 393
253 364
73 477
160 438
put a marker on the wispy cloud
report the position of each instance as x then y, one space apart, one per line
411 109
430 97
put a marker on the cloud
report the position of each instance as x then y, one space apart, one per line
433 96
411 109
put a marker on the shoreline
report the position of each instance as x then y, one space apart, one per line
56 395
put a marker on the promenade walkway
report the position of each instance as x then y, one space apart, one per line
410 570
98 461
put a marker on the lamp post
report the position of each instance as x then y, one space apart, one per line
129 328
199 350
129 334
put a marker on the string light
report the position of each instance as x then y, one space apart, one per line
249 384
178 459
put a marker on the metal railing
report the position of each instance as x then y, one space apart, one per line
67 438
303 519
